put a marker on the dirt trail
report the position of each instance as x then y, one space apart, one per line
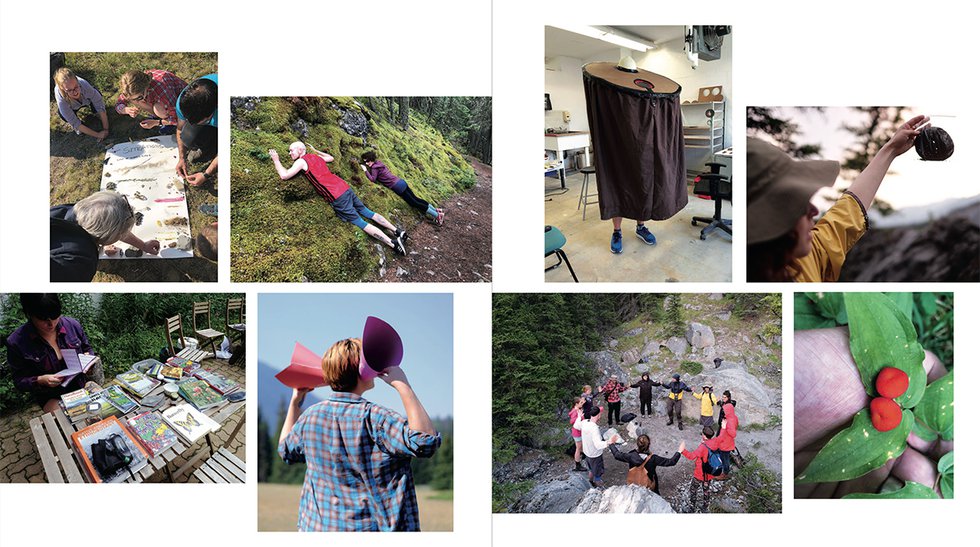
460 249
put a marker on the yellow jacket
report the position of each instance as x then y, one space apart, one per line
833 236
707 403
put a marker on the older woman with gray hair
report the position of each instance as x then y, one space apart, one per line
78 231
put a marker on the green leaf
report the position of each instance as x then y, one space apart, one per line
830 305
923 432
935 410
911 490
945 469
882 336
927 302
806 315
902 300
857 450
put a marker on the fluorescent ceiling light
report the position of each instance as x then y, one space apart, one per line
607 34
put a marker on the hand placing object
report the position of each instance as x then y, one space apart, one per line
151 247
149 124
196 179
182 168
273 154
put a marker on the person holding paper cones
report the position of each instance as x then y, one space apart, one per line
34 350
358 454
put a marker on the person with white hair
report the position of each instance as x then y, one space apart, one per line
347 206
79 230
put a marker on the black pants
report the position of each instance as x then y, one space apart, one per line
203 137
414 201
646 406
674 408
726 461
613 408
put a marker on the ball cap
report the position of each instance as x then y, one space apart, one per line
381 348
780 187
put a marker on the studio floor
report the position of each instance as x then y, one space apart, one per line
678 256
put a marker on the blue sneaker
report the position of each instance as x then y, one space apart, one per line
616 245
645 235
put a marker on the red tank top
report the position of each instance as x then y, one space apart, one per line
327 184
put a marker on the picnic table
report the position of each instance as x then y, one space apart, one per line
52 435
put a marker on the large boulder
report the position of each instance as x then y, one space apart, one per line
613 343
557 496
622 499
651 348
700 336
606 366
642 367
634 332
631 356
676 345
755 401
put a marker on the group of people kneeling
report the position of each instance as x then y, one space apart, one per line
712 458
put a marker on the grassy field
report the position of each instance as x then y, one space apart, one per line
279 503
76 160
283 230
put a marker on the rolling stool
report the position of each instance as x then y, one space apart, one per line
717 187
584 195
553 242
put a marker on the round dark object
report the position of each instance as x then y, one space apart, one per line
134 253
934 144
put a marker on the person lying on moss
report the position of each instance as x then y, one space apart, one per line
337 193
378 172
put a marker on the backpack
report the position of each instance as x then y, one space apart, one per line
638 475
712 465
628 417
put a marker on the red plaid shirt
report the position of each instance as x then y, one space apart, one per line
612 389
165 88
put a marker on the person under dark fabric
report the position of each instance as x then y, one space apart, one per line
646 386
34 350
674 399
642 455
612 389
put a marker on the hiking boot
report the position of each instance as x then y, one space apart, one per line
579 467
671 422
680 426
440 216
643 233
616 244
399 246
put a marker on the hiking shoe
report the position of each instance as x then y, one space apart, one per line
670 422
643 233
616 244
680 426
399 246
440 215
401 234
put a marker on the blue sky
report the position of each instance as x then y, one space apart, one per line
424 322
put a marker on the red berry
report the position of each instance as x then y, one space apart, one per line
885 414
892 382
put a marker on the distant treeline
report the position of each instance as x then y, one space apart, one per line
436 471
466 121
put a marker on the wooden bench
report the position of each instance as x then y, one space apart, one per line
223 468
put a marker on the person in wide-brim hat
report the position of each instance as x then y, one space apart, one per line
785 243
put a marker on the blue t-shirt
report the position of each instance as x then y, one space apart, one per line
213 122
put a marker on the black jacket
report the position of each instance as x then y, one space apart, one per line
676 387
646 388
634 459
74 253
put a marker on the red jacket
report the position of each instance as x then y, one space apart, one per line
726 437
700 455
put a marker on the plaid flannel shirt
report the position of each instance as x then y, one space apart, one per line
358 459
165 88
612 389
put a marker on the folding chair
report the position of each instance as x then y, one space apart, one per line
205 334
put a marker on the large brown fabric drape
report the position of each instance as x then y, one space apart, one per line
638 140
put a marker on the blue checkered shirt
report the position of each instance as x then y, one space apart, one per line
358 459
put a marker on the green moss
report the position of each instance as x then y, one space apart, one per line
283 231
691 367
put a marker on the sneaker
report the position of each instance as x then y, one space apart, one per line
399 246
401 234
643 233
616 245
440 216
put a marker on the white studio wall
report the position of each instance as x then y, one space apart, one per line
563 80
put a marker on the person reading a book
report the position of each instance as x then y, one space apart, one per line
358 454
34 350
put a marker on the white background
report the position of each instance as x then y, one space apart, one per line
784 53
